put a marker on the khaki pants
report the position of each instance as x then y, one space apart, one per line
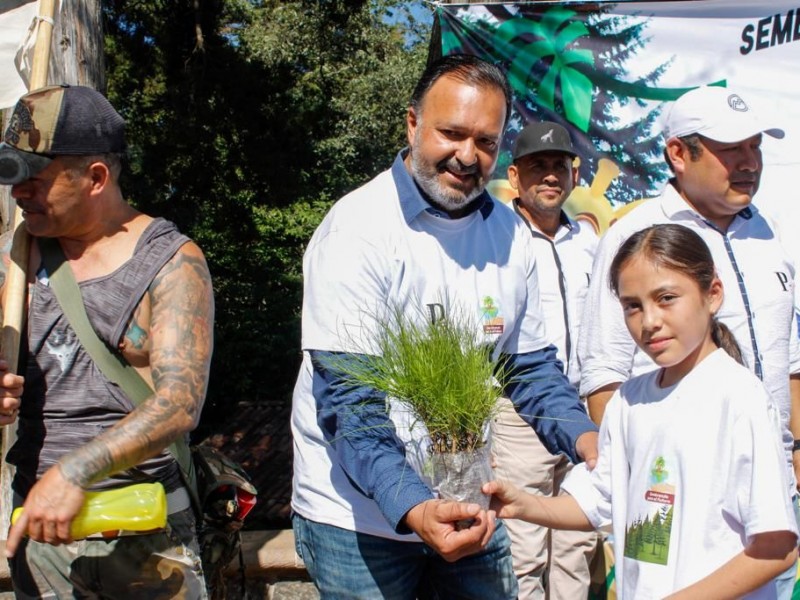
551 564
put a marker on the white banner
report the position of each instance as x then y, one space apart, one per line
17 26
609 70
755 48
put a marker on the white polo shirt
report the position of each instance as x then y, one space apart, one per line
749 258
564 265
376 249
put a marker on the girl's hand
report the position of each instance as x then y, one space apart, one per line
506 499
561 512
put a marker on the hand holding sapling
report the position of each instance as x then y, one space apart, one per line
436 522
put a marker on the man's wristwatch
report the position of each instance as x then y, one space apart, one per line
796 446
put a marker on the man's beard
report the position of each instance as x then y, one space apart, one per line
447 198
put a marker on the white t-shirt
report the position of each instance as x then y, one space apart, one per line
374 250
751 248
564 265
686 474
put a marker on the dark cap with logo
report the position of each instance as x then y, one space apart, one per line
58 120
543 137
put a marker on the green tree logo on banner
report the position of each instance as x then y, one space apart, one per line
556 37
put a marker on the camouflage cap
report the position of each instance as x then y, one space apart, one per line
58 120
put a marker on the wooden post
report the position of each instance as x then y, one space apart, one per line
77 49
69 49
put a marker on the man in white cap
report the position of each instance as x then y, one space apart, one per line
548 562
713 146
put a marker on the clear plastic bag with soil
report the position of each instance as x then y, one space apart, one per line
459 476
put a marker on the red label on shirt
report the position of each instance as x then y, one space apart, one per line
660 497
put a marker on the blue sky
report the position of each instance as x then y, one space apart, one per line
422 11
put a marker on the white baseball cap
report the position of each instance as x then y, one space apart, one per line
717 113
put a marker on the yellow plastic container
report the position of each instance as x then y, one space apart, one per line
139 507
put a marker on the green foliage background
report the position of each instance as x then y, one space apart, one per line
246 120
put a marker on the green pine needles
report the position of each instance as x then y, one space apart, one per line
440 369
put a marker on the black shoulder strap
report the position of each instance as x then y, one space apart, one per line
113 365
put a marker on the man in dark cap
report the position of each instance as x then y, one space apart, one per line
551 562
147 292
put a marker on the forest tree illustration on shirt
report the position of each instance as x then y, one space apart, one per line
647 538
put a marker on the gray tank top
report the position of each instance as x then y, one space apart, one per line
67 400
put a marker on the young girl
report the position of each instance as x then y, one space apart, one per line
690 471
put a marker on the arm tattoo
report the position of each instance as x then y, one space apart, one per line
181 341
136 335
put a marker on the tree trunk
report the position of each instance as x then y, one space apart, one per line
76 57
77 48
